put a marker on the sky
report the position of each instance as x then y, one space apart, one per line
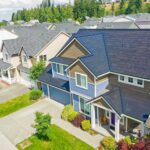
7 7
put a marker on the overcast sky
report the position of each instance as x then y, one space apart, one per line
7 7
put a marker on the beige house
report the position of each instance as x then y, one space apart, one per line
20 54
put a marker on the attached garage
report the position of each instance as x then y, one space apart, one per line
59 95
24 79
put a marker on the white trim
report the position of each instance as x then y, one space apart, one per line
84 104
102 107
58 63
82 64
132 118
76 93
56 87
77 73
134 83
74 39
51 42
57 69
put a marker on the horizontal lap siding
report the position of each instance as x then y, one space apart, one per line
87 92
59 96
75 102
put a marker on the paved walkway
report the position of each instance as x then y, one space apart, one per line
17 126
12 91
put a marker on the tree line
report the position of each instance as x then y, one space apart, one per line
48 12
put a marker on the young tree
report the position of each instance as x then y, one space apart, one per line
42 124
37 70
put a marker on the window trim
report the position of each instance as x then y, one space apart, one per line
134 83
77 73
42 58
57 69
84 104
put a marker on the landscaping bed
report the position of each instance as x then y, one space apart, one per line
61 140
17 103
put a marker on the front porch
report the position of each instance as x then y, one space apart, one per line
8 76
108 123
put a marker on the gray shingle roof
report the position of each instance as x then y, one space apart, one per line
121 51
23 69
4 65
129 102
31 44
62 60
46 77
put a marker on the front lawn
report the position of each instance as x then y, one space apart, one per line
15 104
61 140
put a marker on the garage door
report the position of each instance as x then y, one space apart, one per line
59 95
24 79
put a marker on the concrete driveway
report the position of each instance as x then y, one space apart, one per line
8 92
17 126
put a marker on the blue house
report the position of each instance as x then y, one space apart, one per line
105 75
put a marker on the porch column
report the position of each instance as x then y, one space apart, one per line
93 116
117 128
9 76
142 129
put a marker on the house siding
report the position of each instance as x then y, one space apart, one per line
45 89
101 86
56 75
74 50
76 102
89 92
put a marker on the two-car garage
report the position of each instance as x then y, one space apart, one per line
57 94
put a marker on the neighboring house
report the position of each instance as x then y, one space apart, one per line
105 74
6 35
20 54
118 25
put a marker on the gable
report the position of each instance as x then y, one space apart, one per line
102 103
74 50
78 67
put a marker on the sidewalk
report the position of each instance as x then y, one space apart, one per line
5 144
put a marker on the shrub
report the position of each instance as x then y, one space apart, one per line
35 94
122 145
128 140
42 124
86 125
77 120
138 146
108 143
72 116
68 110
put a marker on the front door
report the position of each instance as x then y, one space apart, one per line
112 121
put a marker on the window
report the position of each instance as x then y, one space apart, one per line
122 78
60 69
84 108
6 56
107 113
24 58
131 80
140 82
81 80
43 58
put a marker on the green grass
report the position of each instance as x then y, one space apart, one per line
15 104
61 140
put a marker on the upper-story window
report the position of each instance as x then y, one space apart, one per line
43 58
81 80
60 69
24 58
6 56
131 80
